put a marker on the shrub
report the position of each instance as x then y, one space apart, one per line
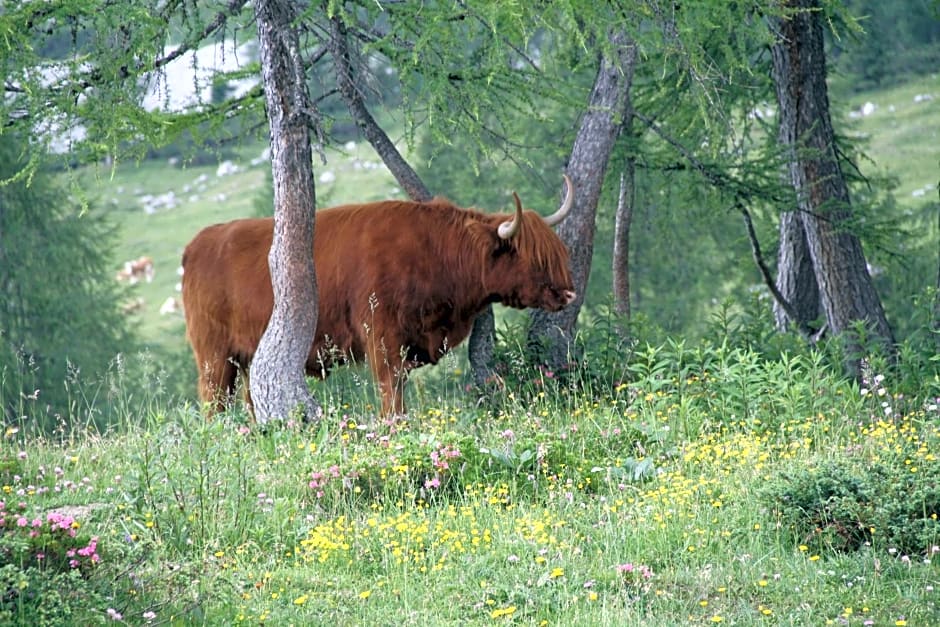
830 506
45 562
889 499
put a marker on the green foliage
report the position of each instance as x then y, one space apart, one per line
77 73
59 322
177 493
855 502
577 500
828 508
47 564
881 493
897 41
48 599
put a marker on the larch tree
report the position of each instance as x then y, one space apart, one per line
550 334
626 198
278 384
623 218
796 277
819 234
78 73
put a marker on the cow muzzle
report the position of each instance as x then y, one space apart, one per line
559 299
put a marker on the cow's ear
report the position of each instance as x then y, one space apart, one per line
499 246
503 247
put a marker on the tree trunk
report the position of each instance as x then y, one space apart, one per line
935 325
847 293
483 334
277 383
550 334
624 217
621 263
796 279
349 89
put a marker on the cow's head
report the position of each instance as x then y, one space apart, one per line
532 261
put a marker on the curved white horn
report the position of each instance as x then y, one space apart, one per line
508 229
559 215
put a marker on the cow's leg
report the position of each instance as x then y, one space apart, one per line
391 383
389 374
246 387
216 381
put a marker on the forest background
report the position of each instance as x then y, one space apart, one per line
151 199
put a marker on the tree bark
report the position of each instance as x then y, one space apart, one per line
277 383
796 279
624 217
935 324
847 293
622 221
483 334
349 90
550 334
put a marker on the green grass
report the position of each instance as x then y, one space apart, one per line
903 136
639 503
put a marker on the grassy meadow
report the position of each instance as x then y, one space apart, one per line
659 485
708 487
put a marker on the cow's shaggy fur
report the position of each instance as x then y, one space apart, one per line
399 284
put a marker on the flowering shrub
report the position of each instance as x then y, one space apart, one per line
633 573
419 464
48 542
45 563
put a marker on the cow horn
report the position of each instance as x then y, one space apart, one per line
559 215
508 229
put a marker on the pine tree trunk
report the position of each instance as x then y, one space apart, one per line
796 279
550 334
847 293
277 383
